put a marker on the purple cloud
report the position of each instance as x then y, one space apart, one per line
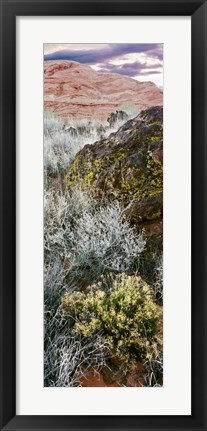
131 69
110 52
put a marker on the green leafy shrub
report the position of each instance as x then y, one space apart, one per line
125 314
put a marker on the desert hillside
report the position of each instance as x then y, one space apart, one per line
103 251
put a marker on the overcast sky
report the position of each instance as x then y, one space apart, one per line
143 62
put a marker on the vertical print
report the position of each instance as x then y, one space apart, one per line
103 206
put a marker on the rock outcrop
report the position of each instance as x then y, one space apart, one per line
74 90
127 166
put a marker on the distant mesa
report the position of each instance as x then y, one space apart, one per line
75 90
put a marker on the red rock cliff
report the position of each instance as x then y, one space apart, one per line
76 90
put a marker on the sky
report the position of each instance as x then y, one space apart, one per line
143 62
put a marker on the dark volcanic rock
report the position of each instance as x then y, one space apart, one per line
127 166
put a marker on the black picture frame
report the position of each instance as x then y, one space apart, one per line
197 9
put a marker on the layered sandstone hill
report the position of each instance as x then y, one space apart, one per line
76 90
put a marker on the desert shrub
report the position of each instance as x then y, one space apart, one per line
153 375
105 240
54 323
51 123
59 152
54 285
87 126
131 110
61 214
88 236
68 358
158 279
126 315
62 141
153 363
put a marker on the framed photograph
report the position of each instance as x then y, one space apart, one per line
103 207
